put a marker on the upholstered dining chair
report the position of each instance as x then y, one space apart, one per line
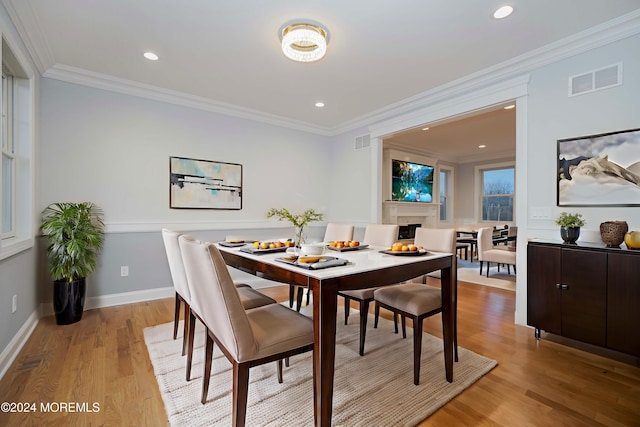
334 232
377 235
418 300
247 338
250 297
488 253
179 279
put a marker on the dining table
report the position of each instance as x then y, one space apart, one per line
365 268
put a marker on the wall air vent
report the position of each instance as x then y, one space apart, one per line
591 81
363 142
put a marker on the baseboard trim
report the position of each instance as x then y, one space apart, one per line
118 299
12 350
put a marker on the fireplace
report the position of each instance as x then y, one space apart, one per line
408 231
408 215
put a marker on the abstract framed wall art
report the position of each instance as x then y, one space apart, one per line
599 170
204 184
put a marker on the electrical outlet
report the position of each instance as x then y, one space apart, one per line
14 303
124 271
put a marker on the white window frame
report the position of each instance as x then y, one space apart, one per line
479 189
448 193
8 151
21 134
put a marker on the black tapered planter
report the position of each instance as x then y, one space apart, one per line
68 300
570 234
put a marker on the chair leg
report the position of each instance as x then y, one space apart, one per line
347 306
481 263
376 315
308 295
286 362
292 290
404 327
185 330
395 322
240 394
514 270
508 269
176 317
279 363
208 360
299 295
364 312
417 349
192 327
488 267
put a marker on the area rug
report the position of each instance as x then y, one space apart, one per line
470 272
376 389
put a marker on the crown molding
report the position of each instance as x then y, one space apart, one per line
128 87
608 32
31 34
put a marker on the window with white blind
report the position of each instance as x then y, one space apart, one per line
16 147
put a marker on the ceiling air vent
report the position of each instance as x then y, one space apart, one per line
591 81
363 141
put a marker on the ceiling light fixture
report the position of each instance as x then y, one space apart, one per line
510 107
425 128
319 104
304 42
503 12
151 56
482 146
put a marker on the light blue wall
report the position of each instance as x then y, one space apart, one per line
552 115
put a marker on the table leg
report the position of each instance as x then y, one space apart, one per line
325 306
448 319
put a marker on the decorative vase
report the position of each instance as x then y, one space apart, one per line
570 234
299 238
68 300
612 232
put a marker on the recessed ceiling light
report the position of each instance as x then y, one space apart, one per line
482 146
510 107
425 128
319 104
151 56
503 12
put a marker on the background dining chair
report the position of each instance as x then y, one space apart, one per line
179 279
334 232
488 253
247 338
382 236
418 300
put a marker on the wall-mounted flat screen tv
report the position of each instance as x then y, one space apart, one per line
411 182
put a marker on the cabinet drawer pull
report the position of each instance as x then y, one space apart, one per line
562 287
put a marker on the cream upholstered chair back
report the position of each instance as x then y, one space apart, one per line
485 241
338 232
176 266
381 234
215 297
436 239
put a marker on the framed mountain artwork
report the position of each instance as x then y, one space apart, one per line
599 170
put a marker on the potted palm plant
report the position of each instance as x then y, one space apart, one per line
570 224
75 232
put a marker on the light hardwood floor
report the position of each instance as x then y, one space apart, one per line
103 359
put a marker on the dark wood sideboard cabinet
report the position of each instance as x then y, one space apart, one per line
586 292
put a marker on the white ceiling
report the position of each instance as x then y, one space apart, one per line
226 53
